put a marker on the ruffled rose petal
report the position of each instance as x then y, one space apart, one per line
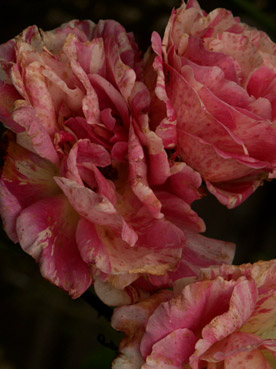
132 320
197 304
138 176
46 231
173 351
26 117
8 96
232 194
241 307
113 296
104 248
54 39
25 178
96 208
40 97
117 57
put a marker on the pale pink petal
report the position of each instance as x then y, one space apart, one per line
46 230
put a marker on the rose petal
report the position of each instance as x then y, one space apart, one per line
46 230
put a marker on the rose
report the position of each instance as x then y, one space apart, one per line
224 319
87 188
214 99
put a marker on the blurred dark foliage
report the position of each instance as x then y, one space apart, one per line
40 326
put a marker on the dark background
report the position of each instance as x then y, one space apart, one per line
40 326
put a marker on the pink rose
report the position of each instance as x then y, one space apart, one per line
214 99
224 319
87 188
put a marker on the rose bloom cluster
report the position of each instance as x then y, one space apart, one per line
87 188
104 154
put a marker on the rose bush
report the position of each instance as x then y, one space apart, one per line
86 187
214 99
224 319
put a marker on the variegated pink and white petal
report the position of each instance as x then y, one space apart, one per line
201 252
237 342
25 178
249 360
25 116
40 97
180 213
100 246
184 182
86 155
199 303
54 39
138 175
241 307
233 193
240 350
198 252
46 230
118 291
173 351
132 320
7 53
110 98
9 209
263 273
96 208
121 74
8 96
